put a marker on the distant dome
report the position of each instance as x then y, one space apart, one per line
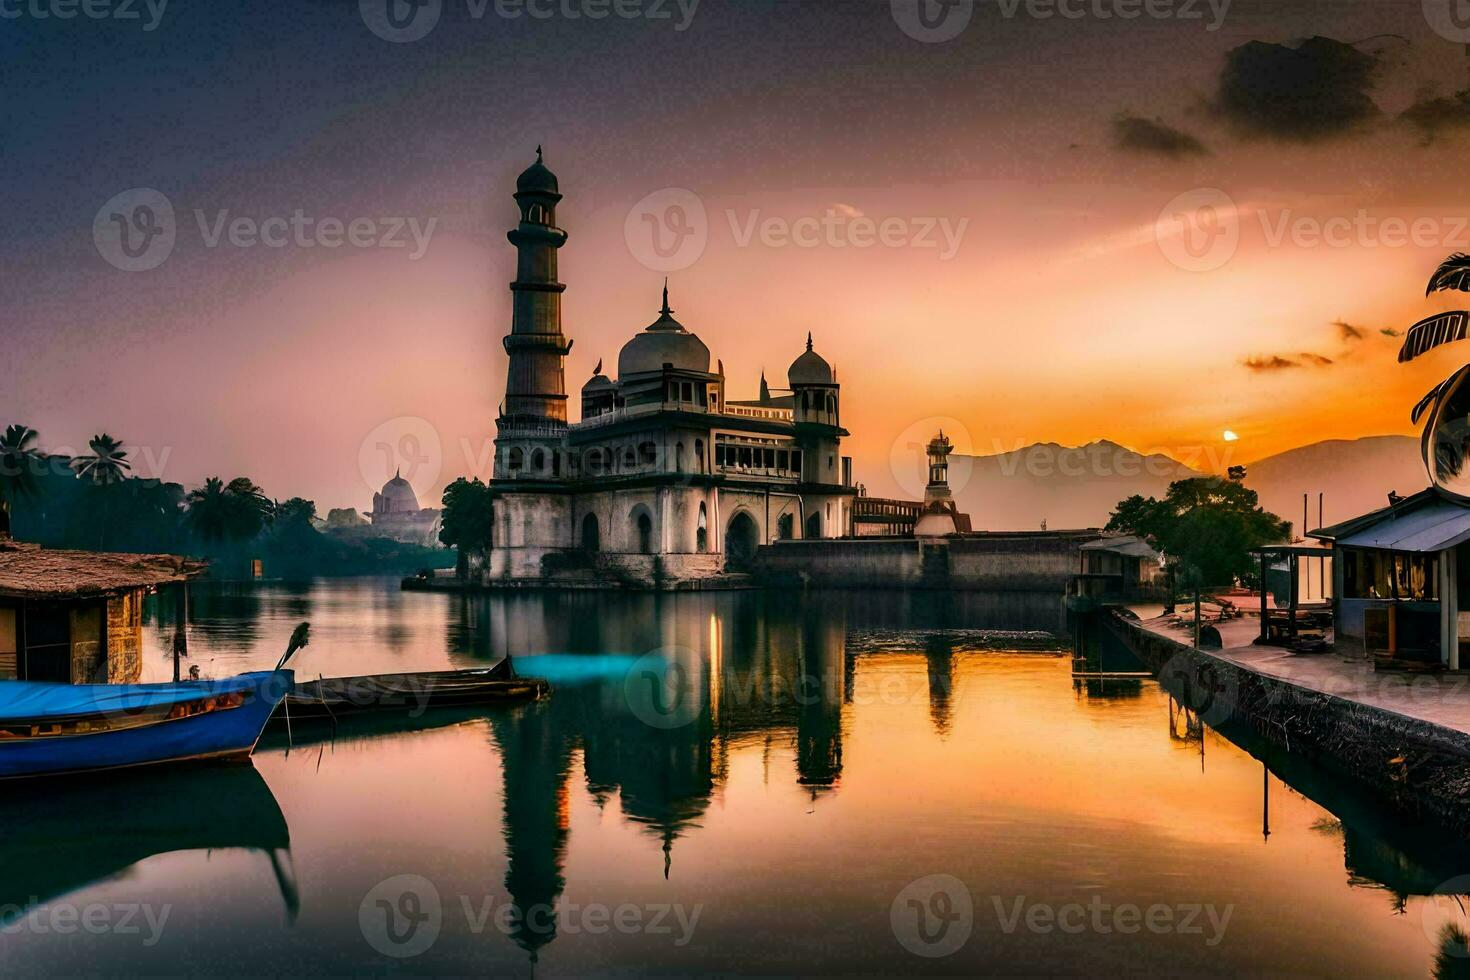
537 178
397 497
809 369
665 341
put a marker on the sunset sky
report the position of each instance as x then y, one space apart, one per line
1036 282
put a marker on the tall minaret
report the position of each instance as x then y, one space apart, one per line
534 414
938 450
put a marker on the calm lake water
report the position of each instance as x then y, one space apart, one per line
776 801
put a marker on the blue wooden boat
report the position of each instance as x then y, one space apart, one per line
52 729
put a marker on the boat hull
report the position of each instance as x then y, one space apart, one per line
221 734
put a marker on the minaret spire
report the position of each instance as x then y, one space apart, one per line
808 340
666 311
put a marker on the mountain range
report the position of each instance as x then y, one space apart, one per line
1078 486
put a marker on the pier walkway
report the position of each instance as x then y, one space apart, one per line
1439 699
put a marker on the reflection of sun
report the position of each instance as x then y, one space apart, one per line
1230 436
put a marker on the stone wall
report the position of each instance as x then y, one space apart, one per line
125 638
1030 562
1416 767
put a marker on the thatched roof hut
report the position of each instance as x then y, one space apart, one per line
77 616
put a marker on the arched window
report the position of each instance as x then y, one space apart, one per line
701 533
786 527
699 455
594 462
538 461
591 534
645 534
679 459
814 525
647 453
517 459
630 459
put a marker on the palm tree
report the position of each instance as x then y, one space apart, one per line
251 510
1445 442
18 455
107 464
209 510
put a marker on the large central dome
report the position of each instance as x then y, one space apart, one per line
665 341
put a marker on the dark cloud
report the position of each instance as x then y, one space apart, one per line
1311 90
1273 363
1141 135
1349 332
1434 116
1316 360
1390 332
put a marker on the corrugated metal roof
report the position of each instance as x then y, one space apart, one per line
1435 526
1129 545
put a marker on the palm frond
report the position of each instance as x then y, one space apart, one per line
1453 273
1429 333
1427 401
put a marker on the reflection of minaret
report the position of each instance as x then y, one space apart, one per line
939 652
536 760
822 679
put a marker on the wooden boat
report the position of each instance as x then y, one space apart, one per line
51 729
411 694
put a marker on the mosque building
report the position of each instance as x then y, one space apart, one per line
396 514
664 479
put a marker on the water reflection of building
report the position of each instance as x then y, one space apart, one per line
748 677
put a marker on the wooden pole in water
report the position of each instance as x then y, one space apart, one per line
181 638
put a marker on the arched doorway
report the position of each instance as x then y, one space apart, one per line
591 534
645 534
814 526
742 537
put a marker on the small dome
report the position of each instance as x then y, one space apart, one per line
398 496
537 178
598 379
665 341
809 369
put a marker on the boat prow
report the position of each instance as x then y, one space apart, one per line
56 729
